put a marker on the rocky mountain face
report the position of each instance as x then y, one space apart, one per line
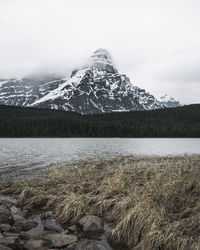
95 88
23 92
169 101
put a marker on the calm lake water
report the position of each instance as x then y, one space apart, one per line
31 154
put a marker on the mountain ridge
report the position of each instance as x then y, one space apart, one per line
169 101
97 87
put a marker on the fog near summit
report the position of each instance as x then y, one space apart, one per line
155 43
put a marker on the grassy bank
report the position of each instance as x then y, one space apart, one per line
154 203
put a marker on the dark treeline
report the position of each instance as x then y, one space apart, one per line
31 122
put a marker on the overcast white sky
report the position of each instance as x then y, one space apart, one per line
155 43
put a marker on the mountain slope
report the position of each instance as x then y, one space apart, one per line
23 92
169 101
98 88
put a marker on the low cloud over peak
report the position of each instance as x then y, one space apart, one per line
155 43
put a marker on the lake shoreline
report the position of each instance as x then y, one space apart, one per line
26 156
145 199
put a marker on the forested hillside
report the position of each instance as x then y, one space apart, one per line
31 122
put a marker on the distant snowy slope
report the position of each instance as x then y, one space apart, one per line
23 92
169 101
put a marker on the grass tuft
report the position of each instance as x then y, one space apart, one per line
154 203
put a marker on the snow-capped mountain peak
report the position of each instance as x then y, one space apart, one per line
102 60
101 55
96 87
166 98
169 101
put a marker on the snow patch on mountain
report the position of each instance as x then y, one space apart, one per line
2 82
63 89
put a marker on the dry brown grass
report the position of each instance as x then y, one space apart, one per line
154 203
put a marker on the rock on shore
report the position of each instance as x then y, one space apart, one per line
17 233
